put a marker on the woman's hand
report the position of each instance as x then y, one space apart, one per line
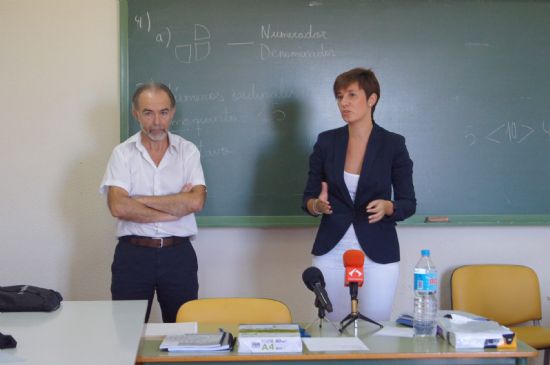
321 205
377 209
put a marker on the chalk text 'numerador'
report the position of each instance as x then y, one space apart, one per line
267 33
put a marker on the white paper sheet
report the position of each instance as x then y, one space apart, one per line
334 344
395 331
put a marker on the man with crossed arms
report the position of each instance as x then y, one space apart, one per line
154 184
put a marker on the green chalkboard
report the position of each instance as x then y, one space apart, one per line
466 82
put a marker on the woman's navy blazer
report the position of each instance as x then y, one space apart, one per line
386 165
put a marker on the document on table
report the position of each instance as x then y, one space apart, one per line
395 331
165 329
334 344
192 342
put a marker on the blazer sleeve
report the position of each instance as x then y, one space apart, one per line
315 175
402 183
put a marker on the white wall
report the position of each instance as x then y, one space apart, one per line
270 262
59 118
59 113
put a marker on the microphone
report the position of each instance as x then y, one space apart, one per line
353 262
315 281
355 276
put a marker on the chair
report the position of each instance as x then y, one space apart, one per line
234 310
507 294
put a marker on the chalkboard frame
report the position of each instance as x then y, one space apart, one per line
299 221
416 220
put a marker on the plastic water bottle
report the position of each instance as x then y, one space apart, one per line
425 299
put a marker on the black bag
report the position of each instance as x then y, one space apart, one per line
7 342
28 298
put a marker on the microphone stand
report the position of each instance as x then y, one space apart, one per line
321 316
354 315
320 312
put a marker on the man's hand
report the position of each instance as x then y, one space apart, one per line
189 200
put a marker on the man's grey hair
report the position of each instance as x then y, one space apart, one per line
153 86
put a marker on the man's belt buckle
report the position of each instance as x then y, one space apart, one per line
161 239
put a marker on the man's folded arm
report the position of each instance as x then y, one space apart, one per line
124 207
190 200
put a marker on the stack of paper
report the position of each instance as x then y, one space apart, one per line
269 338
466 332
221 341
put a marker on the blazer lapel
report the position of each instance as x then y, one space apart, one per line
339 163
373 148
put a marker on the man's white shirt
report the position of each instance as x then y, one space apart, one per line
132 169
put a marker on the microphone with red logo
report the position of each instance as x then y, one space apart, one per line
355 277
353 262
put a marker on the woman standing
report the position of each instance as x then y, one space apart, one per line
352 172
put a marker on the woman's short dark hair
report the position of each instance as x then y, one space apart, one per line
153 86
364 77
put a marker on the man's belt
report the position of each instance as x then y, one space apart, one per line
154 242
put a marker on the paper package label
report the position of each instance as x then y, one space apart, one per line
269 345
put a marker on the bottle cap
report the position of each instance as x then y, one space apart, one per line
425 252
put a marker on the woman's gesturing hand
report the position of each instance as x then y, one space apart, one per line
321 205
378 208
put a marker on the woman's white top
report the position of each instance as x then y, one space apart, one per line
350 241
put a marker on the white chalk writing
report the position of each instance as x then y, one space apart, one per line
516 132
160 38
511 131
215 152
267 33
138 19
267 52
199 98
224 117
253 94
198 51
